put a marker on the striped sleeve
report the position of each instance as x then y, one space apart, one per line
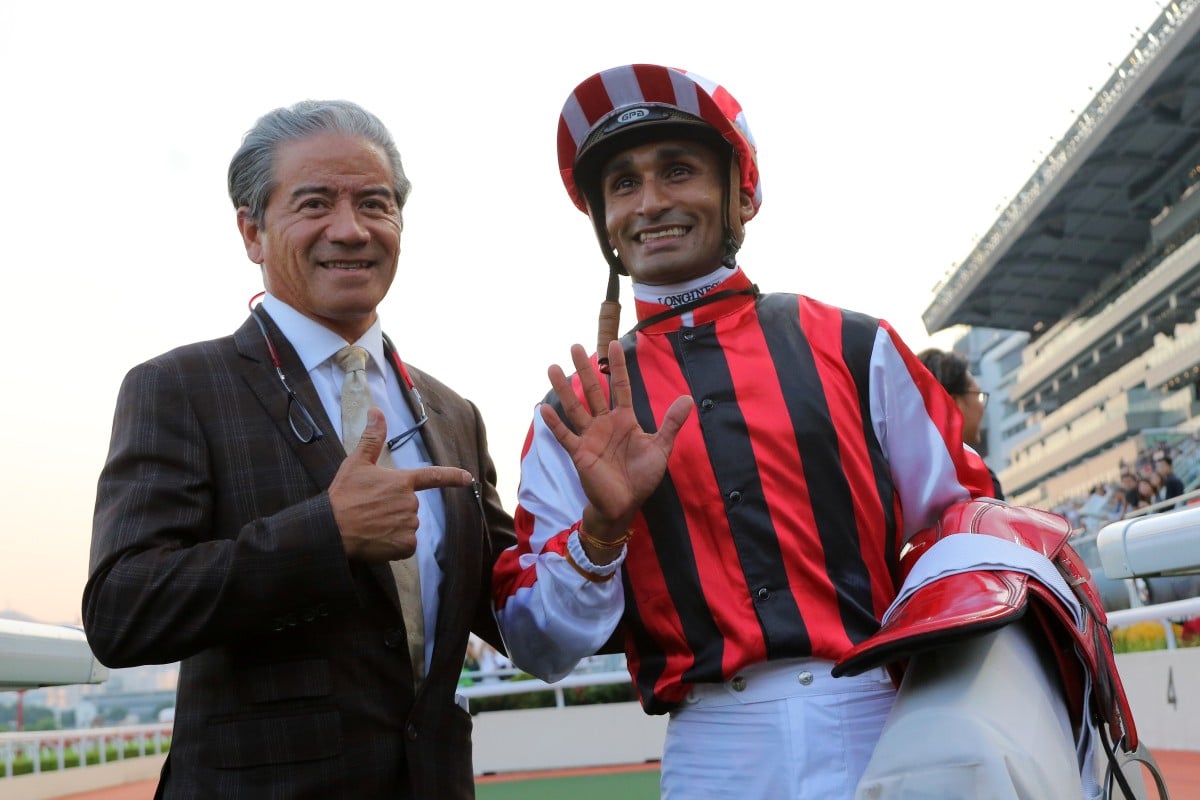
920 430
551 616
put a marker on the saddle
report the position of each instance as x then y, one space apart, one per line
979 601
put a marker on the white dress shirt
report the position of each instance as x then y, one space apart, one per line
316 346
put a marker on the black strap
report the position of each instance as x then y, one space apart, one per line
1118 759
752 290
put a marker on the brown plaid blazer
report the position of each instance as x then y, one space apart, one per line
214 544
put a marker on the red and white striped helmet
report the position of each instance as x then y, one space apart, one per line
613 108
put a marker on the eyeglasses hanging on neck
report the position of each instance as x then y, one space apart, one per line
301 421
404 437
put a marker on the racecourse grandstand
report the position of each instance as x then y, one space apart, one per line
1083 295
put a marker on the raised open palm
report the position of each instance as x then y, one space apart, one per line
619 464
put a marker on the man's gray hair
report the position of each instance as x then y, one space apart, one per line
252 170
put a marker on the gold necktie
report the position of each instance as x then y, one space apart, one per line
356 399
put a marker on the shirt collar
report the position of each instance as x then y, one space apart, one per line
704 314
313 342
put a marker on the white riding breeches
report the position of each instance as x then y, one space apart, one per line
780 730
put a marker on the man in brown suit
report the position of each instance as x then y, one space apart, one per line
235 534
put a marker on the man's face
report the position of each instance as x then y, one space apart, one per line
1162 467
972 408
330 236
663 210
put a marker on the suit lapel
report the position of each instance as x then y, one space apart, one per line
320 457
444 442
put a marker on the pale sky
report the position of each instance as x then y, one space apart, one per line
890 135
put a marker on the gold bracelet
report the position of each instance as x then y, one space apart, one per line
599 544
591 576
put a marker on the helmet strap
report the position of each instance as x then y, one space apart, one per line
610 319
732 245
732 242
610 310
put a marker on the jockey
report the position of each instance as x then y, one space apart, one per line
729 505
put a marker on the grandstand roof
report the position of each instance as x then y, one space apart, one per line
1100 206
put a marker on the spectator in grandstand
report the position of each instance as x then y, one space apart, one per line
1172 485
1070 512
1145 492
1113 500
1098 508
256 520
1156 483
730 503
954 374
1129 493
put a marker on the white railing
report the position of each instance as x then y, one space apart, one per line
492 684
1160 612
149 739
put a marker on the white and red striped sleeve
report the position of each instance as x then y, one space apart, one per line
920 430
551 616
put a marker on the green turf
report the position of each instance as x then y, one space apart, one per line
642 785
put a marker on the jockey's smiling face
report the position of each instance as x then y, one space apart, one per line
663 209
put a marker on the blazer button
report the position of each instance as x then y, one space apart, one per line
394 638
410 731
707 404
